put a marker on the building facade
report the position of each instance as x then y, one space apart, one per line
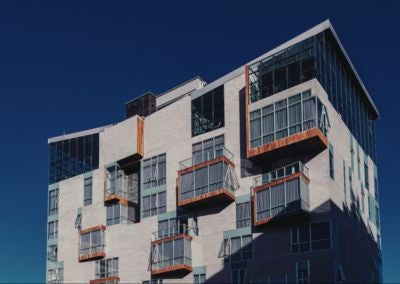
268 174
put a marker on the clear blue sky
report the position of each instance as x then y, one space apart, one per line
71 65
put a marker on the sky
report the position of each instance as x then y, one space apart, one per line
67 66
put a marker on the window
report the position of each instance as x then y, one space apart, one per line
154 204
199 278
207 150
287 117
362 200
92 242
170 253
55 275
113 214
154 171
208 111
303 272
243 214
106 268
237 248
366 175
72 157
53 230
53 202
358 162
239 276
87 191
78 221
153 281
331 162
52 253
311 237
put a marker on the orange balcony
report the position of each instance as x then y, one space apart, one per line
91 243
106 280
207 179
295 126
171 252
281 193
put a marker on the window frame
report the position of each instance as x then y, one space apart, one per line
87 187
310 241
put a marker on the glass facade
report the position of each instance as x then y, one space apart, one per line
73 157
318 57
208 111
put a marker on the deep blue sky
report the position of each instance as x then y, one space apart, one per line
68 66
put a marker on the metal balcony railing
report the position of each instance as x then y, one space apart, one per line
206 156
297 167
172 231
183 260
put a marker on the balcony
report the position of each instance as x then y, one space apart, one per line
292 127
206 178
121 186
281 193
171 252
91 245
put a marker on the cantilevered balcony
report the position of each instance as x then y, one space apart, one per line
120 186
281 193
171 252
293 127
91 245
207 177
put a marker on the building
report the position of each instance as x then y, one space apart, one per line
268 174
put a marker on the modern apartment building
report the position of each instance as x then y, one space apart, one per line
268 174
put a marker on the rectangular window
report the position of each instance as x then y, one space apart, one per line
362 200
287 117
344 181
311 237
78 221
87 191
106 268
55 275
113 215
53 230
154 171
207 150
199 278
366 175
91 242
303 272
239 276
208 111
331 162
153 281
237 248
243 215
154 204
53 202
52 253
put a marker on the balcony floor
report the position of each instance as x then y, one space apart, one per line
217 196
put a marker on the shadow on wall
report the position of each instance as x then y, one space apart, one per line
353 255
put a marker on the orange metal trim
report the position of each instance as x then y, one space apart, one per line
217 192
115 197
292 139
272 183
167 239
171 269
96 228
104 280
92 256
206 163
140 136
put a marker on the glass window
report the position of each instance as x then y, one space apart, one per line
311 237
87 191
72 157
208 111
154 171
113 214
91 242
243 214
303 272
53 230
53 202
237 248
106 268
331 163
199 278
238 276
154 204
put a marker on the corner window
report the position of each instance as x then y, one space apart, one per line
303 272
243 215
311 237
53 202
208 112
154 171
